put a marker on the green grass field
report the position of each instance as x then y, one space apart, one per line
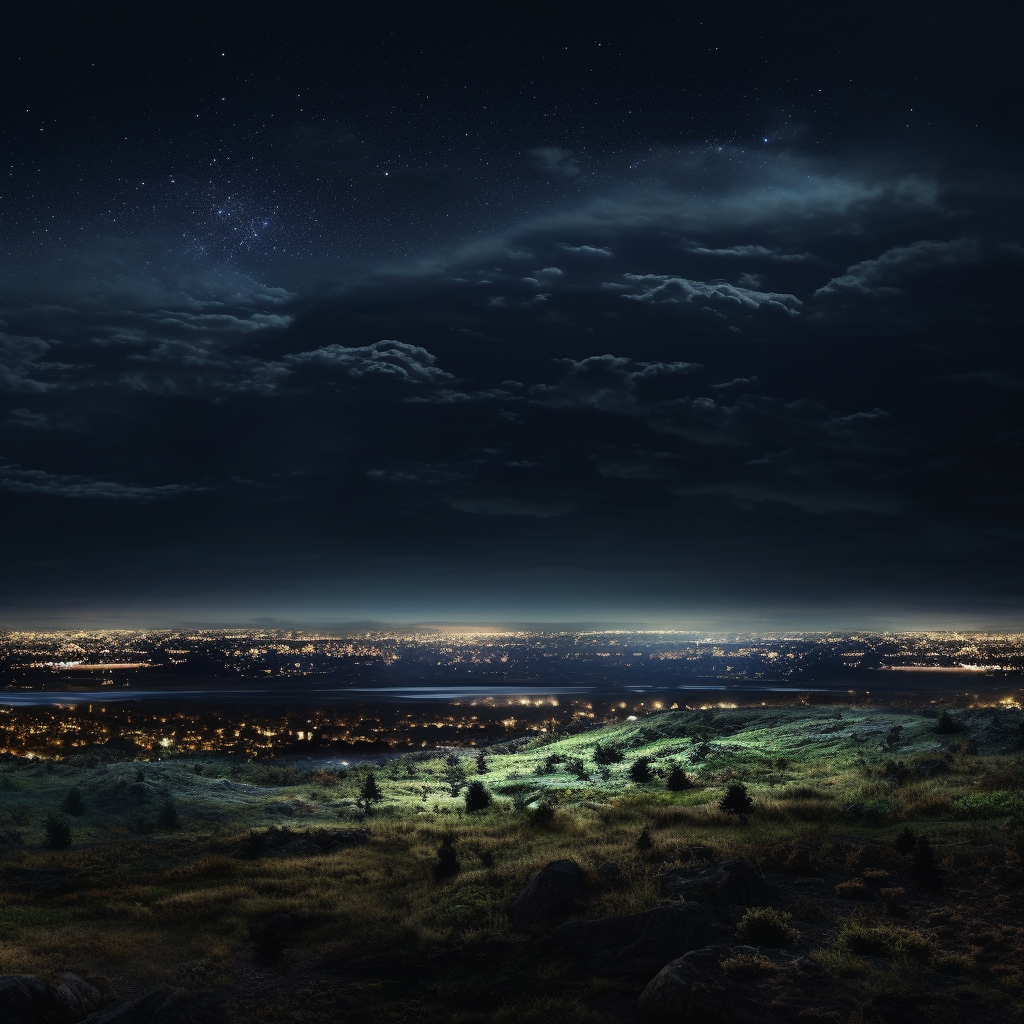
140 901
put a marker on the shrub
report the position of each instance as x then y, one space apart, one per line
575 766
766 926
678 780
481 764
73 802
643 841
884 940
168 816
58 832
477 797
947 725
606 754
543 815
905 842
894 737
737 801
640 770
855 889
447 863
893 900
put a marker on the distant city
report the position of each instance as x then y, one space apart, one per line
271 692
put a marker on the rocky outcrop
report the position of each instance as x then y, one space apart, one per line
552 891
722 983
66 999
727 883
638 943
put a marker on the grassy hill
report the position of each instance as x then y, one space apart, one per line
365 932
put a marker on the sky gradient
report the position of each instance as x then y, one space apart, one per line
513 316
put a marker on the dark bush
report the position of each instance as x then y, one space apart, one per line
643 841
947 725
766 926
925 866
481 764
447 863
640 770
905 842
607 754
678 780
543 815
58 832
168 816
575 767
477 797
894 738
73 802
737 801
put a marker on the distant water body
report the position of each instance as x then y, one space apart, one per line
444 694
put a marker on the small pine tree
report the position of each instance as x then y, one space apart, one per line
737 801
481 764
370 791
678 780
477 798
168 816
447 863
643 841
58 832
905 842
640 770
73 802
455 775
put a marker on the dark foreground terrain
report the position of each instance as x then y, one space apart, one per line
876 876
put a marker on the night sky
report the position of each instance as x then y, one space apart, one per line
659 313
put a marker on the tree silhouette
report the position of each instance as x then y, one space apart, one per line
678 779
58 832
737 801
640 770
455 775
447 863
370 791
73 802
477 798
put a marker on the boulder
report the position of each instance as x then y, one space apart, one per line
638 943
551 891
696 989
26 1000
727 883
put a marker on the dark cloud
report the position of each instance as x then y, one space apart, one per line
777 386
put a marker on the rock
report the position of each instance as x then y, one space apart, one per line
25 999
550 892
725 983
729 882
639 943
74 997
